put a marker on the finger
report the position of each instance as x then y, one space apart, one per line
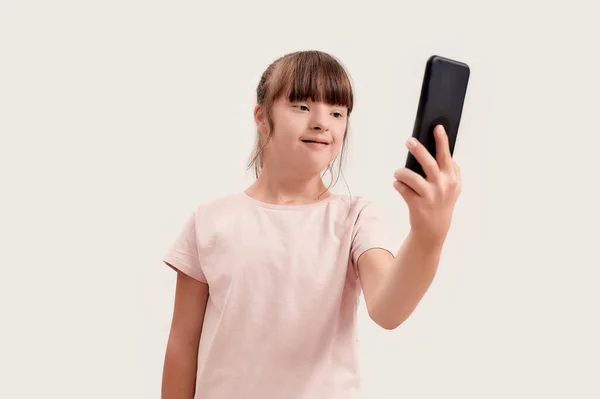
442 148
458 177
425 159
456 169
406 192
415 181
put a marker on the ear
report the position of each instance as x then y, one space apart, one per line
260 119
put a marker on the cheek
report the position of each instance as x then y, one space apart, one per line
284 140
336 149
340 131
286 130
338 141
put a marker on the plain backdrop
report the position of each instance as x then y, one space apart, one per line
118 117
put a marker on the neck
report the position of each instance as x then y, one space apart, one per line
278 187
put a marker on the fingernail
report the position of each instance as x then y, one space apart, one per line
411 142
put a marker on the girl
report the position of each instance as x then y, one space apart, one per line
268 279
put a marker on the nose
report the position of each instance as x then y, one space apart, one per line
318 122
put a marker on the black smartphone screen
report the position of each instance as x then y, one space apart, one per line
441 103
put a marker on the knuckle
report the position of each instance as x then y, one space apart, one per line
429 197
430 164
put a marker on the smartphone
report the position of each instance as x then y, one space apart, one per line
441 102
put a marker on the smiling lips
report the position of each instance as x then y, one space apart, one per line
315 141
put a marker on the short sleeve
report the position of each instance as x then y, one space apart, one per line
183 253
371 231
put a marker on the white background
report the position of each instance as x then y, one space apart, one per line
117 117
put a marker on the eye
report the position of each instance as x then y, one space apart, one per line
338 115
301 107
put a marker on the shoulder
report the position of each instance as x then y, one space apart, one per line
219 206
357 206
215 217
215 211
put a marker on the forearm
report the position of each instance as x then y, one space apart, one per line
407 280
179 371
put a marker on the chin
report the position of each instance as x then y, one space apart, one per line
311 168
313 165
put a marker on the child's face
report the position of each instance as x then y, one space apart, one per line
307 135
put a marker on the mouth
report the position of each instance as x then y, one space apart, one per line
315 142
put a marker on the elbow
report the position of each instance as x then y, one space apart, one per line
385 320
388 325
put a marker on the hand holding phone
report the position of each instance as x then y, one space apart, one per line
430 200
430 183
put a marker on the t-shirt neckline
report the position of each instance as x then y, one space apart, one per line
270 205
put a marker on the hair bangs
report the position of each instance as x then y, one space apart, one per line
317 77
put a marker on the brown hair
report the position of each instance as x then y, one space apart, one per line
299 76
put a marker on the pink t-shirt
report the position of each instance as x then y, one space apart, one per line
284 290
